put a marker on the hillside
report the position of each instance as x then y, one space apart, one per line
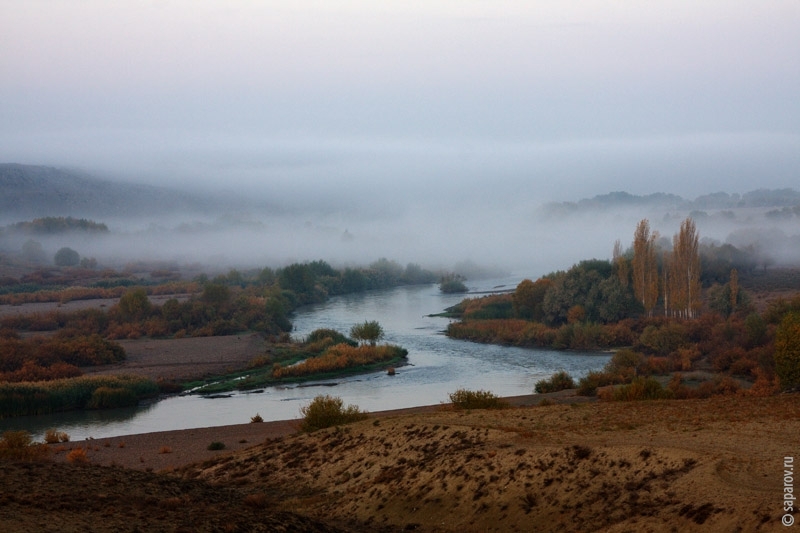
28 191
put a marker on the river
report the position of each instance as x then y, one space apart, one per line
437 366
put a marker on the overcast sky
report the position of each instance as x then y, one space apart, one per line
540 100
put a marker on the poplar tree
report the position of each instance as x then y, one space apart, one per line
684 287
645 266
621 265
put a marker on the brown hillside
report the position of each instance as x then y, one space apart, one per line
655 466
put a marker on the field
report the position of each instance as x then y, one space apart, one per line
715 465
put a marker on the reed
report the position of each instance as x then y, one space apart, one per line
37 398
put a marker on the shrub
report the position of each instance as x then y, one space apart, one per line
216 445
467 399
559 381
639 389
77 456
52 436
18 446
327 411
322 334
256 419
588 385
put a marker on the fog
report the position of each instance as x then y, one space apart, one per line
422 132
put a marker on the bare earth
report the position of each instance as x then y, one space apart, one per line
186 359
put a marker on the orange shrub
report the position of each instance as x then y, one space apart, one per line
78 456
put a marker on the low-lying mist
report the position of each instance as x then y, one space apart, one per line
496 230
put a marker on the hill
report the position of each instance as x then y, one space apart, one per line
28 191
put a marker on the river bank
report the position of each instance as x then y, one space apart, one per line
166 450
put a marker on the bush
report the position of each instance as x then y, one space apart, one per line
256 419
52 436
467 399
77 456
328 411
216 445
639 389
18 446
588 385
558 381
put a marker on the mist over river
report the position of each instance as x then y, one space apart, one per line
436 366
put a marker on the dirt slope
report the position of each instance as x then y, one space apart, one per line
658 466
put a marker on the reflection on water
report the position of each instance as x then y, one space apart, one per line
437 366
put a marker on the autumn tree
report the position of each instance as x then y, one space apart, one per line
528 297
134 304
621 264
645 266
684 271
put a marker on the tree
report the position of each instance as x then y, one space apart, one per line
32 251
369 331
67 257
787 351
684 269
134 304
452 283
528 298
645 266
621 264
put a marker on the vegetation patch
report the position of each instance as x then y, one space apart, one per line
480 399
557 382
328 411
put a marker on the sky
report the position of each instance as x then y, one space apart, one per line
398 106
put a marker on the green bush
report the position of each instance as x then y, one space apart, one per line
588 384
640 389
328 411
467 399
216 445
559 381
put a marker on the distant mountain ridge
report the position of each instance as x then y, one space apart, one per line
761 198
28 191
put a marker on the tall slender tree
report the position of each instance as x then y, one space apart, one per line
685 271
645 266
621 265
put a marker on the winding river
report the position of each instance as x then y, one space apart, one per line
437 366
